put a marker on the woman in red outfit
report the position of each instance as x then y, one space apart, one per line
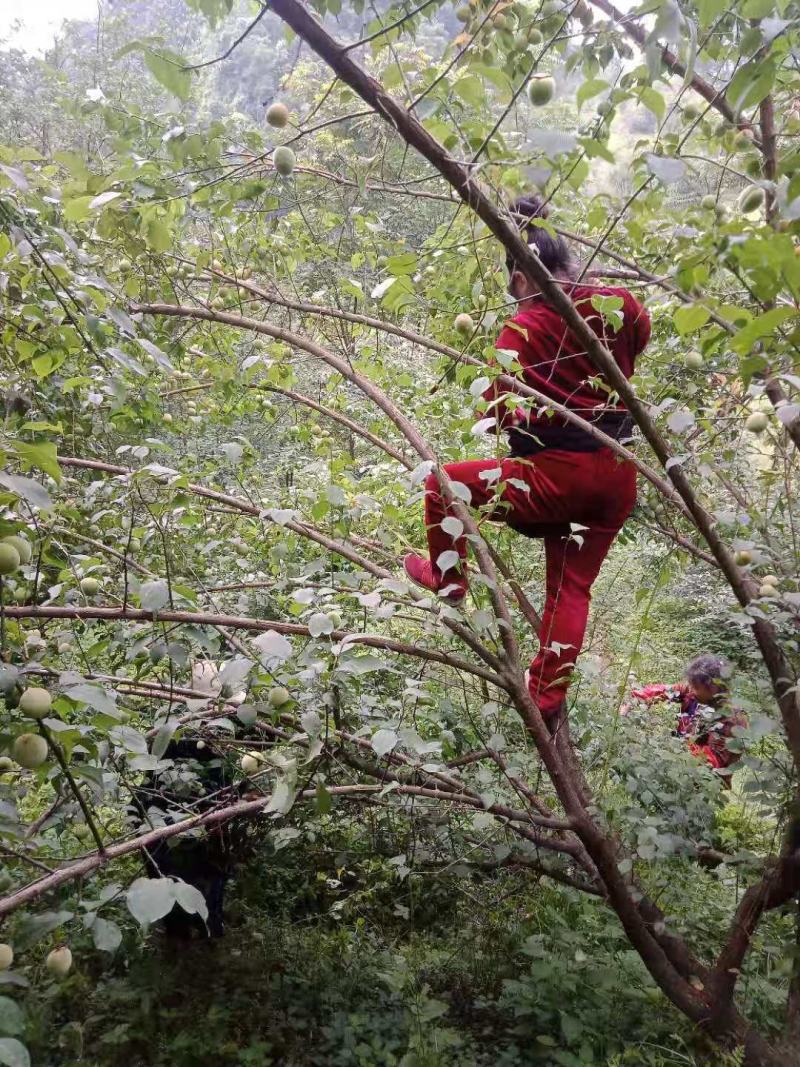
558 482
705 717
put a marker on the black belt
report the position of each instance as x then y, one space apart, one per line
527 441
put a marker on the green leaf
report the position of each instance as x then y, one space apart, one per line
150 899
591 87
95 697
158 235
78 209
689 318
383 741
12 1021
27 489
654 102
106 935
32 928
667 170
190 899
751 84
154 595
470 89
708 10
403 264
41 454
13 1053
323 801
497 77
167 68
104 198
762 326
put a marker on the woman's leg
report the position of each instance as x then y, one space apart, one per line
572 567
481 492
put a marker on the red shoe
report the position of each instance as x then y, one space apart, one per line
420 571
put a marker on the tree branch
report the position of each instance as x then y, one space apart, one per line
236 622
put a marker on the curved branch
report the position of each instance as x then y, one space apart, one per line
236 622
343 420
245 809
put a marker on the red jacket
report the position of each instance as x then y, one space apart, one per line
707 735
555 362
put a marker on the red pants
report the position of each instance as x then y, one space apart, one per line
552 490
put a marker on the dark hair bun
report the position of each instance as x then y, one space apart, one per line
531 207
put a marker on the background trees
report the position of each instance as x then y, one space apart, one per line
223 388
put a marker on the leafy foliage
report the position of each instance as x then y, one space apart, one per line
193 344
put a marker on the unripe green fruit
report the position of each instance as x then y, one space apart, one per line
124 265
691 112
59 961
9 559
6 764
90 586
463 13
167 417
768 591
709 202
693 360
35 702
278 696
751 199
757 422
6 957
743 557
535 35
770 579
335 618
277 115
64 648
29 750
500 21
250 763
541 89
464 324
284 160
21 545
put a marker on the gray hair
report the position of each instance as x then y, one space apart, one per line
708 670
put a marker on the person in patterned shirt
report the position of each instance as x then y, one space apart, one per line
705 717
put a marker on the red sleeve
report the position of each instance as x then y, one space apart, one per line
650 694
495 395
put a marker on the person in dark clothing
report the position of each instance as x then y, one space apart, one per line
196 780
558 481
705 717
